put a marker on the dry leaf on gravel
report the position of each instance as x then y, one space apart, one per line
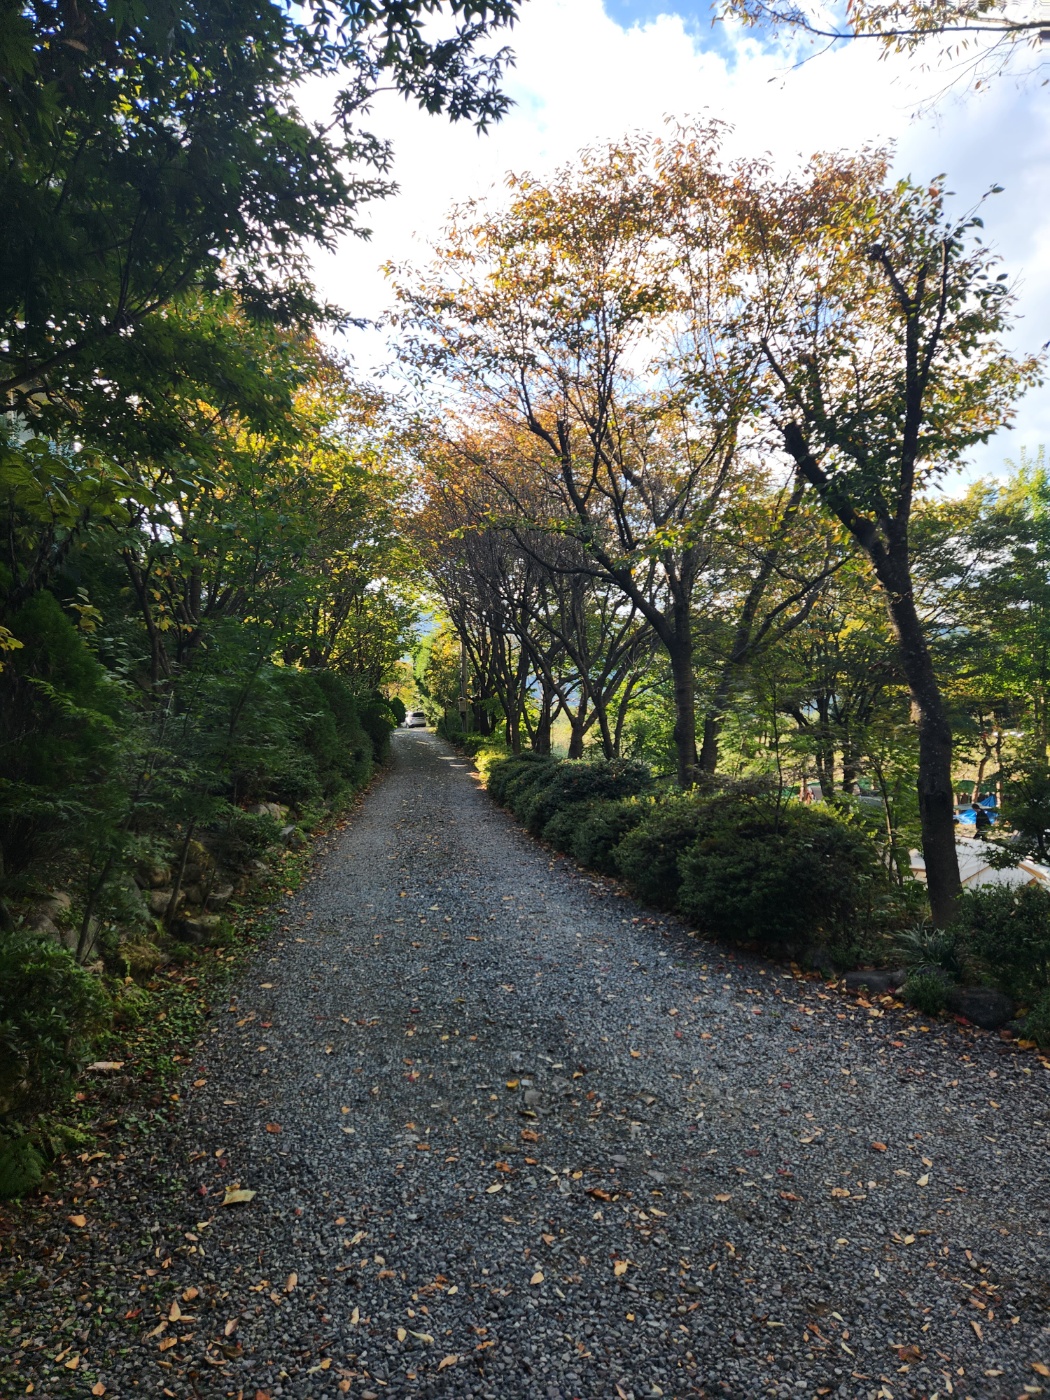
274 1128
537 1277
98 1388
168 1342
188 1294
1040 1369
290 1282
923 1180
174 1313
496 1186
879 1146
723 1196
620 1268
447 1361
230 1327
238 1197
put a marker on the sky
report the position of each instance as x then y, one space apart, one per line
588 72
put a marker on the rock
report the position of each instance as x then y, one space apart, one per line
41 922
219 897
153 877
56 904
293 837
193 893
876 981
159 901
268 809
201 929
983 1006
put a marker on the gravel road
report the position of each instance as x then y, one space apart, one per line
511 1135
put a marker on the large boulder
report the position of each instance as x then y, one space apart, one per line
983 1006
200 929
159 901
218 897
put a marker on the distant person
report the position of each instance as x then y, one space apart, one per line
981 820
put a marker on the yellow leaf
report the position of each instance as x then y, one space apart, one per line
72 1363
723 1196
290 1282
923 1180
424 1337
355 1317
238 1197
1040 1369
537 1277
620 1268
78 1220
230 1327
977 1330
447 1361
512 1083
168 1342
401 1334
174 1313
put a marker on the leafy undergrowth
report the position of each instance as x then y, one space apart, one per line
131 1088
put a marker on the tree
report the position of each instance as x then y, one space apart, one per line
152 151
558 318
957 28
880 318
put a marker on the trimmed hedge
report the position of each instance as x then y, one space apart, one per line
737 863
776 874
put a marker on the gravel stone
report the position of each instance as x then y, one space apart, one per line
511 1135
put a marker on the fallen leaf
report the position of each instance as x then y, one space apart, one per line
537 1277
273 1128
788 1196
447 1361
636 1054
977 1330
620 1268
72 1363
840 1191
423 1337
230 1327
598 1193
1040 1369
168 1342
355 1317
98 1388
290 1282
188 1294
78 1220
401 1334
496 1186
909 1352
238 1197
174 1313
879 1146
105 1066
513 1083
529 1135
723 1196
923 1180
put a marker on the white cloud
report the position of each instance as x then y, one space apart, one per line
582 78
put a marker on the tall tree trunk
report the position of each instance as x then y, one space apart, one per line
936 796
541 742
714 718
681 658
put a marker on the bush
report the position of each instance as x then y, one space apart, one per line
21 1167
517 771
50 1007
561 828
776 875
1005 934
647 856
1037 1022
924 948
599 829
579 781
926 991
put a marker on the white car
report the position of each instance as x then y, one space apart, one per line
415 719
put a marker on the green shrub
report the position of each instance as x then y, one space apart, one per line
1037 1022
561 828
600 828
578 781
49 1009
776 875
647 856
927 991
21 1167
924 948
1004 931
517 774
